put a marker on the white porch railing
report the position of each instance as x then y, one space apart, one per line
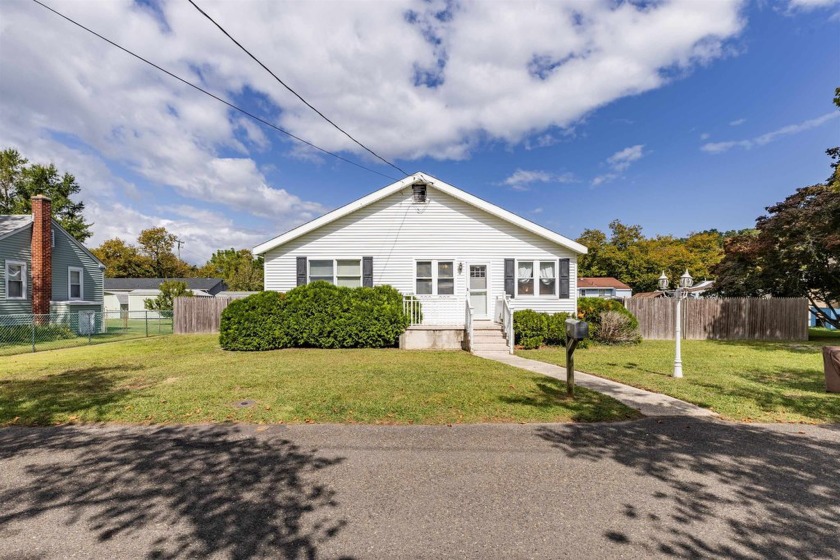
468 323
412 308
507 322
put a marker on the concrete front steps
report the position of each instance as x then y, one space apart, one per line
488 337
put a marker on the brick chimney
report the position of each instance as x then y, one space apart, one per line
41 254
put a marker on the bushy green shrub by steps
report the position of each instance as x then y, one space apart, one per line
532 329
529 324
317 315
555 334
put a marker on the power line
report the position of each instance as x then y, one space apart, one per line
296 94
214 96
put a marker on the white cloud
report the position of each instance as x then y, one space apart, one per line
719 147
620 162
405 79
705 136
811 4
737 122
522 179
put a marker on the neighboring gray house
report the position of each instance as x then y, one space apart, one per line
130 294
43 269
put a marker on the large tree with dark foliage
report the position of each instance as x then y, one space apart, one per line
794 251
20 181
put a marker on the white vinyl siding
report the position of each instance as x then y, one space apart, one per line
397 235
16 280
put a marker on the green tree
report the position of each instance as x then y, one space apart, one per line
20 181
169 290
795 252
157 245
123 260
240 269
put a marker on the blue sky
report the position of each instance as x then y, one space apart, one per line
678 116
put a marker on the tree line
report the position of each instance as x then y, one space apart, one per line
154 257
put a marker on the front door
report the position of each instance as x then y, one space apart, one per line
478 290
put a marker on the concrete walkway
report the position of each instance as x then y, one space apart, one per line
646 402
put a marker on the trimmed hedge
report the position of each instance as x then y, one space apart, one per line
532 329
317 315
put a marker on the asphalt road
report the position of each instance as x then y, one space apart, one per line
652 488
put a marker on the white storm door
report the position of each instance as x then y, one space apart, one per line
478 290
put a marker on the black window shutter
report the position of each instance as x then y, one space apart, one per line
301 271
367 272
564 278
510 277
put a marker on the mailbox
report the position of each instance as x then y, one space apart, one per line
576 330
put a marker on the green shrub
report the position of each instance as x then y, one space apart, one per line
532 329
317 315
556 329
531 342
254 323
529 324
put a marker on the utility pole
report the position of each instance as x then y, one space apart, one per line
179 243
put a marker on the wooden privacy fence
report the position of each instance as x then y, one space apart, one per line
198 314
723 318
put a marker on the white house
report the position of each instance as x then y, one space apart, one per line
463 258
603 287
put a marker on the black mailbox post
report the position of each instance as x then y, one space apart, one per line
575 332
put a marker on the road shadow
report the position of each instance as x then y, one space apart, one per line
774 493
216 490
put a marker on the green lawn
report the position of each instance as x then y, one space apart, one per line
187 379
743 381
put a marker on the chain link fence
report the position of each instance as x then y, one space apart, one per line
30 333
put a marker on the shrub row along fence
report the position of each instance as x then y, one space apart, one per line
194 315
723 318
27 332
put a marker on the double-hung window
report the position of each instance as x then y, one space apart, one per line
15 280
341 272
435 278
75 283
536 278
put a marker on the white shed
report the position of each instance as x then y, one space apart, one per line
461 256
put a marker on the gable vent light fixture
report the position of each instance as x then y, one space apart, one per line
418 191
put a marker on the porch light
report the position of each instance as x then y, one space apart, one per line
686 281
663 281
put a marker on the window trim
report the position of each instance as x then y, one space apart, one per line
434 278
535 263
24 276
335 275
70 271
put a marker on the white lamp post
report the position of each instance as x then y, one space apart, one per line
686 281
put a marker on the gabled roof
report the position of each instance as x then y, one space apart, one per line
13 223
129 284
431 183
602 282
